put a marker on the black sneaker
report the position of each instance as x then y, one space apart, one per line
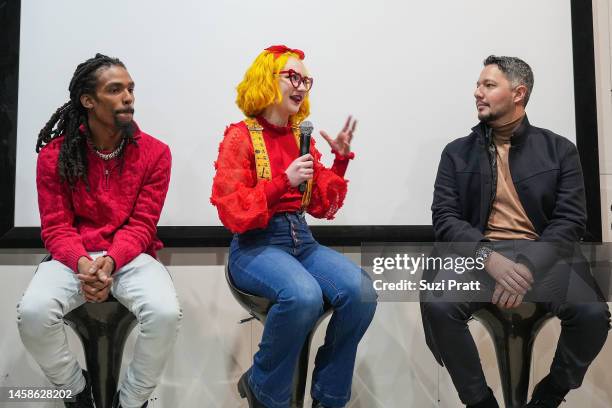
547 394
83 399
116 403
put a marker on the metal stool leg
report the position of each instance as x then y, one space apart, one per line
258 307
103 329
301 374
513 332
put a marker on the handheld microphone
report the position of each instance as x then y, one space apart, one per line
305 132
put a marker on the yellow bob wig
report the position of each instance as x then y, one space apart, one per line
259 87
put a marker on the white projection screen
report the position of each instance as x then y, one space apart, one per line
405 69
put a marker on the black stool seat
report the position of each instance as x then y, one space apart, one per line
103 329
513 332
258 307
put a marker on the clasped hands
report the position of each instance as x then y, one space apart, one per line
95 277
512 280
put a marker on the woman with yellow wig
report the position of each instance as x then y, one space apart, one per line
273 254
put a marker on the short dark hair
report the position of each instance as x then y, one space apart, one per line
517 71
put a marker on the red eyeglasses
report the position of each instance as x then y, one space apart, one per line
296 79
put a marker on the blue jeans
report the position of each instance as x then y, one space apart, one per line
285 264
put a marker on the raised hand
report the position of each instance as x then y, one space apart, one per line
342 142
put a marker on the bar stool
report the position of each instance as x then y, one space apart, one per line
103 329
513 332
258 308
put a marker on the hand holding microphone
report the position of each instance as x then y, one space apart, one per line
300 170
305 133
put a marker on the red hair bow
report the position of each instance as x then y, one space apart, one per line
279 50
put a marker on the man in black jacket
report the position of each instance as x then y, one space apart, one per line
513 195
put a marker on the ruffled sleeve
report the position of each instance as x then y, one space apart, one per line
329 186
241 200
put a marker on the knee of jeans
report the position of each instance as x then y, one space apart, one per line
443 311
592 315
364 309
305 303
359 294
161 316
35 316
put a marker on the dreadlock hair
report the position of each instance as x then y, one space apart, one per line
68 119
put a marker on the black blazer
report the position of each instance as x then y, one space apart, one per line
547 176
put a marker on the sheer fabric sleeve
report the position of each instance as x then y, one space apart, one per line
329 186
241 199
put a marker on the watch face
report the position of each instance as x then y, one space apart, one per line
483 252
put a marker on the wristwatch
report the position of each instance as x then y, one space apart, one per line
483 252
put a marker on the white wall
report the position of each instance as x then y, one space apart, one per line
405 69
394 367
602 11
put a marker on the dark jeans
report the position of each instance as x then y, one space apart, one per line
285 264
583 334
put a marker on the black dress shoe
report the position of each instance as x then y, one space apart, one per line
488 402
116 403
245 392
543 403
547 394
83 399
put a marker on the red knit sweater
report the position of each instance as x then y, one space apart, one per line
244 202
118 214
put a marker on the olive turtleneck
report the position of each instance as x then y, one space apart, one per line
508 219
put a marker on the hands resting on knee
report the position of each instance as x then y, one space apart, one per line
513 280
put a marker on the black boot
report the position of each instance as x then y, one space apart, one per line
116 403
488 402
83 399
547 394
245 392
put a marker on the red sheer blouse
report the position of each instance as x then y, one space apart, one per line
244 202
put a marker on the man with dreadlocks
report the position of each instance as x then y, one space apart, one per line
101 185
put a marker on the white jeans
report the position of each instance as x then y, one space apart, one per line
143 286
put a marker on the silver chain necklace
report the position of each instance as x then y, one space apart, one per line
110 155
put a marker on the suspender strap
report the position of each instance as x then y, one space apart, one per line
262 160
